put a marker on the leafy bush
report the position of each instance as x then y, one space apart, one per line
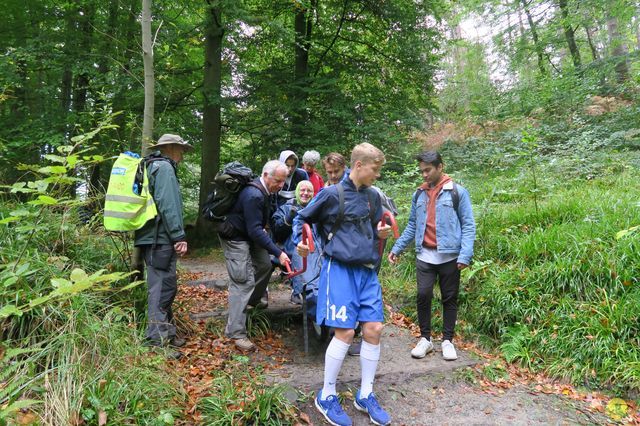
71 349
551 284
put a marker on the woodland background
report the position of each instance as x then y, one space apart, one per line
533 103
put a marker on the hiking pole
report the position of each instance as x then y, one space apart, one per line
307 239
394 227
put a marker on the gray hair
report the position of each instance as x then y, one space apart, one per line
274 165
311 157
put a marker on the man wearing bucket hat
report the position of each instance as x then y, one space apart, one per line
163 238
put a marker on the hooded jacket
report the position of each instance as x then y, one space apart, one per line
288 191
165 189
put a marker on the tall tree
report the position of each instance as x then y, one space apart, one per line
619 49
212 96
149 78
537 44
303 26
569 33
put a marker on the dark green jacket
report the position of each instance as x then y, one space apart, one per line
165 189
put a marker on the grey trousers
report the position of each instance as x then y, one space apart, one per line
162 287
249 269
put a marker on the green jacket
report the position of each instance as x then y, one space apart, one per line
165 189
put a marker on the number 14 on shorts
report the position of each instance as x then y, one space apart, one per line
340 314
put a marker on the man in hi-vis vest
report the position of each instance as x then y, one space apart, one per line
163 238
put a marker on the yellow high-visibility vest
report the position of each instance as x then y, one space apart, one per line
124 209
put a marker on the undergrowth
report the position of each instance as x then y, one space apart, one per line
552 287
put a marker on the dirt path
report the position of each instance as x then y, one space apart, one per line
415 392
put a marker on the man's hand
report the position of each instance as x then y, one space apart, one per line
461 266
302 249
283 258
393 259
180 247
384 230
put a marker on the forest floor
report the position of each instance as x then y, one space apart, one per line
478 388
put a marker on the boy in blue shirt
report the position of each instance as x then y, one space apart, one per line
349 290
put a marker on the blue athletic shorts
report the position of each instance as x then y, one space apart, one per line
348 294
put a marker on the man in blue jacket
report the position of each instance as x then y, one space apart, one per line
349 290
247 249
442 226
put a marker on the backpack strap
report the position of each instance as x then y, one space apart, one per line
455 196
340 218
267 203
371 204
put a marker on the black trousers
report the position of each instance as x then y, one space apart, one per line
448 277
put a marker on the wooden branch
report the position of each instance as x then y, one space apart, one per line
335 37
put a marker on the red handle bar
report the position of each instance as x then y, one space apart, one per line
307 239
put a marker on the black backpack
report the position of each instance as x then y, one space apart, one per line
226 186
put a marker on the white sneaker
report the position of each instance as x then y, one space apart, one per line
423 347
449 351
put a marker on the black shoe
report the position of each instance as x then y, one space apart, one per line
296 299
354 349
171 354
177 342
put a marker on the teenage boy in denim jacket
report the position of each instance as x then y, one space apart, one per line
444 246
349 290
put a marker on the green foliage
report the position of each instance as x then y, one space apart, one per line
86 361
72 347
240 398
555 289
258 323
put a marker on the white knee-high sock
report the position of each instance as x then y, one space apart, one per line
336 351
369 356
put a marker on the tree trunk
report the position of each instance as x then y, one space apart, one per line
619 49
594 51
536 40
149 78
303 25
211 120
569 33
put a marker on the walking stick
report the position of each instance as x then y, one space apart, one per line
307 239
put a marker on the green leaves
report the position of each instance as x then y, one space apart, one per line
78 282
8 310
626 232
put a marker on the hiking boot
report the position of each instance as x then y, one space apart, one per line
423 347
244 344
332 410
296 299
354 349
370 406
177 342
449 351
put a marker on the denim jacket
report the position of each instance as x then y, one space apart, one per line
455 232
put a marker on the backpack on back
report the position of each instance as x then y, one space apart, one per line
226 187
128 203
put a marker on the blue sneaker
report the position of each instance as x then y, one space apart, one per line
332 410
370 406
